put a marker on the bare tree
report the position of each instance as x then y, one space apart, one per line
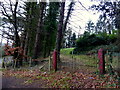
9 11
67 19
68 16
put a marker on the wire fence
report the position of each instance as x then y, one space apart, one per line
79 63
112 62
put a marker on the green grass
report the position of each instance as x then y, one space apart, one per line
66 51
89 61
2 69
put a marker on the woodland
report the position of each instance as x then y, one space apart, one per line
41 50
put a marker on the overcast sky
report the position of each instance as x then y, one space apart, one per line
80 16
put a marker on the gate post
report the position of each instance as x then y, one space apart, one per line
101 56
55 60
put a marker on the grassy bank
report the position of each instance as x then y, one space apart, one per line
88 60
67 51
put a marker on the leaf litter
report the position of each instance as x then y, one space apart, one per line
62 79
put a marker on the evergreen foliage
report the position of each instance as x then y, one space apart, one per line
90 41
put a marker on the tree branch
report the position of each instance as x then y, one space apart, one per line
83 6
11 6
11 38
4 12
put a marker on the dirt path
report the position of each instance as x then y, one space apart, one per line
13 82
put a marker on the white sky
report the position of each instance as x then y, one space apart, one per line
79 16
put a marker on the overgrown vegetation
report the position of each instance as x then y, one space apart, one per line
90 41
37 28
87 60
66 51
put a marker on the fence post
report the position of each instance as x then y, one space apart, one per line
50 58
30 62
101 56
3 63
55 60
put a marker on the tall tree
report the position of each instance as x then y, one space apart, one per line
12 18
90 27
73 39
31 19
70 9
17 38
68 36
39 30
117 22
60 30
111 10
68 15
51 23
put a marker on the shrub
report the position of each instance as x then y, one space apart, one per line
88 42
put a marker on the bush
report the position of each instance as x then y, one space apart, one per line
111 47
88 42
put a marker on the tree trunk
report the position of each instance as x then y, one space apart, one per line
60 30
45 45
66 20
26 45
38 37
68 15
16 36
23 38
